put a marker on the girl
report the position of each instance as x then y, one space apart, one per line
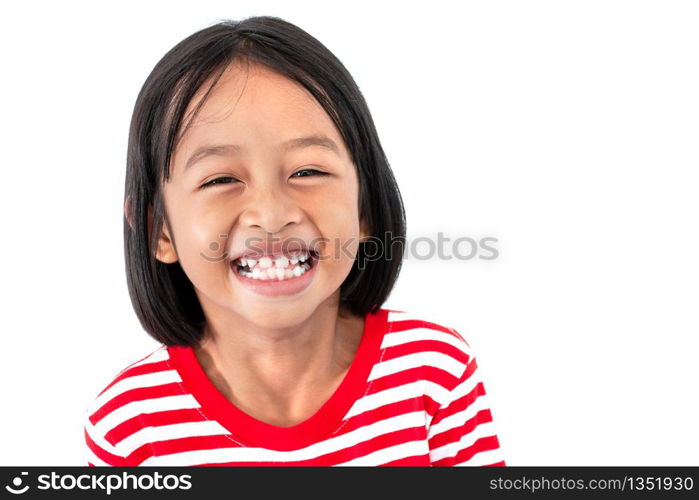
255 183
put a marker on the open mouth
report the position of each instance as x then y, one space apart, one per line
277 268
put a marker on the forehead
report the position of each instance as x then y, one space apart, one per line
251 103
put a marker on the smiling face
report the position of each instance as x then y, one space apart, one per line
271 183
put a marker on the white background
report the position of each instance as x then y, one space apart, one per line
567 130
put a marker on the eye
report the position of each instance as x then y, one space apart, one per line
314 172
219 180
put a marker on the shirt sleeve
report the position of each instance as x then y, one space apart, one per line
97 450
462 433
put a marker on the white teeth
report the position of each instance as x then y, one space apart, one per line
281 261
276 273
275 269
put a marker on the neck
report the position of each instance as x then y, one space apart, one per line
283 376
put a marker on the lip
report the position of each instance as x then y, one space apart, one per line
274 287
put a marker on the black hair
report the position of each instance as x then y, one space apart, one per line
162 295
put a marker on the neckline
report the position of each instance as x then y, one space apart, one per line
325 420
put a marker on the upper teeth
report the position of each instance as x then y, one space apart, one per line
280 262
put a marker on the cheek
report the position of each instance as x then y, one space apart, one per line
340 231
342 204
201 244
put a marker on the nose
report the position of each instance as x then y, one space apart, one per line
270 209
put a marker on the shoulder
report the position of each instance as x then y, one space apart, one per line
405 327
138 373
118 405
418 339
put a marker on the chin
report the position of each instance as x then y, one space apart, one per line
279 314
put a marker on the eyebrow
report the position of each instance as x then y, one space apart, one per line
292 144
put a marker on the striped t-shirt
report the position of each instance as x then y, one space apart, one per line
412 396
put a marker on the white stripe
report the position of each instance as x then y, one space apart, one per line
458 419
417 334
341 442
483 458
451 449
415 360
93 459
167 432
130 410
466 386
98 438
400 393
386 455
134 382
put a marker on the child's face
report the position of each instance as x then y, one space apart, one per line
259 110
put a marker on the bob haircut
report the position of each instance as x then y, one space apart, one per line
162 295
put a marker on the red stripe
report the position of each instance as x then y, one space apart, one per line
138 394
483 444
460 404
167 417
422 346
399 325
455 434
383 412
212 442
466 400
103 455
366 447
145 369
421 373
128 368
170 446
416 461
343 455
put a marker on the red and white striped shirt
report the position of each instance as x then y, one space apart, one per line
412 396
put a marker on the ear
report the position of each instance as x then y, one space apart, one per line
166 248
128 211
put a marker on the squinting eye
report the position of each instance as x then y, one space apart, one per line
219 180
309 170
